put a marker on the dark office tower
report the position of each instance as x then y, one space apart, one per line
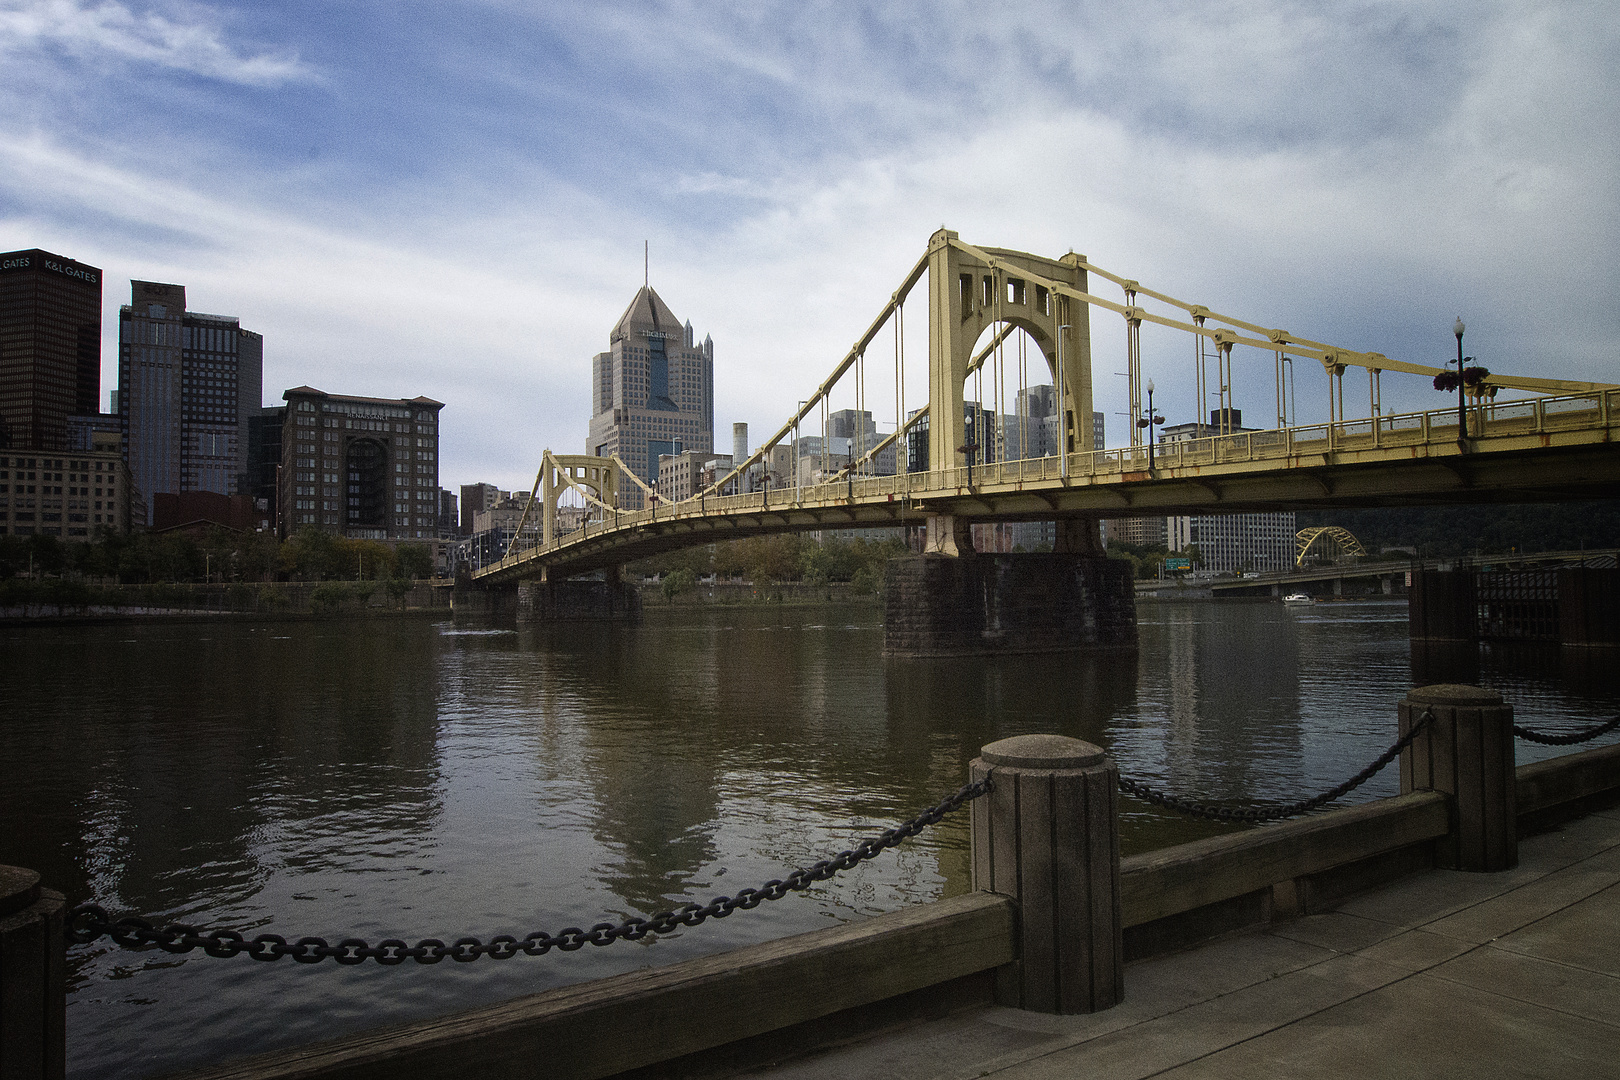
50 347
189 385
475 499
652 392
448 524
264 460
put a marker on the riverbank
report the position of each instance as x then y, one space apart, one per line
742 593
54 601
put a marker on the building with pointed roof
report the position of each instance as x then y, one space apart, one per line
652 392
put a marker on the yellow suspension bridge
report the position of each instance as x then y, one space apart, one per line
1556 442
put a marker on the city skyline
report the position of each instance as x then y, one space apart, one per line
1360 176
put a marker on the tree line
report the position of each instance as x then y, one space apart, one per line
785 557
218 555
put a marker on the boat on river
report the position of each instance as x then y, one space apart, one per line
1298 598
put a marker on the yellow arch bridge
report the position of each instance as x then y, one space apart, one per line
990 312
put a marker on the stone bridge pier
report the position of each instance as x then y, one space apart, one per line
953 601
609 599
543 601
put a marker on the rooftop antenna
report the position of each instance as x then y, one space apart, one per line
646 264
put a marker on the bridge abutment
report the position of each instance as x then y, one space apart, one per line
1022 603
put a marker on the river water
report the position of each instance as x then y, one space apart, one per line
416 778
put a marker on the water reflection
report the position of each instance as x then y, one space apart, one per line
399 777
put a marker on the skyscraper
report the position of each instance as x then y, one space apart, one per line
188 386
50 380
652 392
50 347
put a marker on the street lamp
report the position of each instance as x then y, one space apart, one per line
1462 430
1148 420
970 448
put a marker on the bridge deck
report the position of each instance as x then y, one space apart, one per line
1443 974
1523 451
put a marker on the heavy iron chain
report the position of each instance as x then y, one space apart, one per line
1530 735
1212 812
88 921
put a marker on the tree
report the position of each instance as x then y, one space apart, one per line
48 554
13 556
676 582
773 558
311 554
415 561
260 558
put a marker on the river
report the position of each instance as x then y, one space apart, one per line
405 777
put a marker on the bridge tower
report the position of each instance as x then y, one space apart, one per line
949 600
971 290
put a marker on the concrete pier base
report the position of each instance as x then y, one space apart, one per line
937 605
496 602
577 601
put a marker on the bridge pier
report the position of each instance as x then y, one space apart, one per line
470 599
1024 603
610 600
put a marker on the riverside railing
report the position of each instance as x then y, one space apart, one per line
1055 914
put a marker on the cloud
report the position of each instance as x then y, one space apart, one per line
1302 166
109 29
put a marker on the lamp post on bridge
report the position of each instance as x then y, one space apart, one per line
1462 421
969 448
1149 420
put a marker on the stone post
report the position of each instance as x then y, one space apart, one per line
1467 752
33 986
1048 836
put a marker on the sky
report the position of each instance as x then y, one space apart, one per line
452 198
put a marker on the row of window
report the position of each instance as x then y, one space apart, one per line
49 463
29 515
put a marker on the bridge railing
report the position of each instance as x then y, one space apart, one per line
1431 427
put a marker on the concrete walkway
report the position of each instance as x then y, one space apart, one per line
1441 974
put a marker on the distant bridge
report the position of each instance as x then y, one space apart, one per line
1558 445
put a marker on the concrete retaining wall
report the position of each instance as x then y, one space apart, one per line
610 1026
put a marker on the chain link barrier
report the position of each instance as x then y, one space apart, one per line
1256 814
1542 737
88 921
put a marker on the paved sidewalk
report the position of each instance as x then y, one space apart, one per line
1442 974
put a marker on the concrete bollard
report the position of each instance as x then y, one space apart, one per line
1048 836
33 972
1467 753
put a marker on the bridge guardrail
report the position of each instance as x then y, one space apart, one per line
1430 427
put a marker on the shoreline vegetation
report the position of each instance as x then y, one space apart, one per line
28 600
215 572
